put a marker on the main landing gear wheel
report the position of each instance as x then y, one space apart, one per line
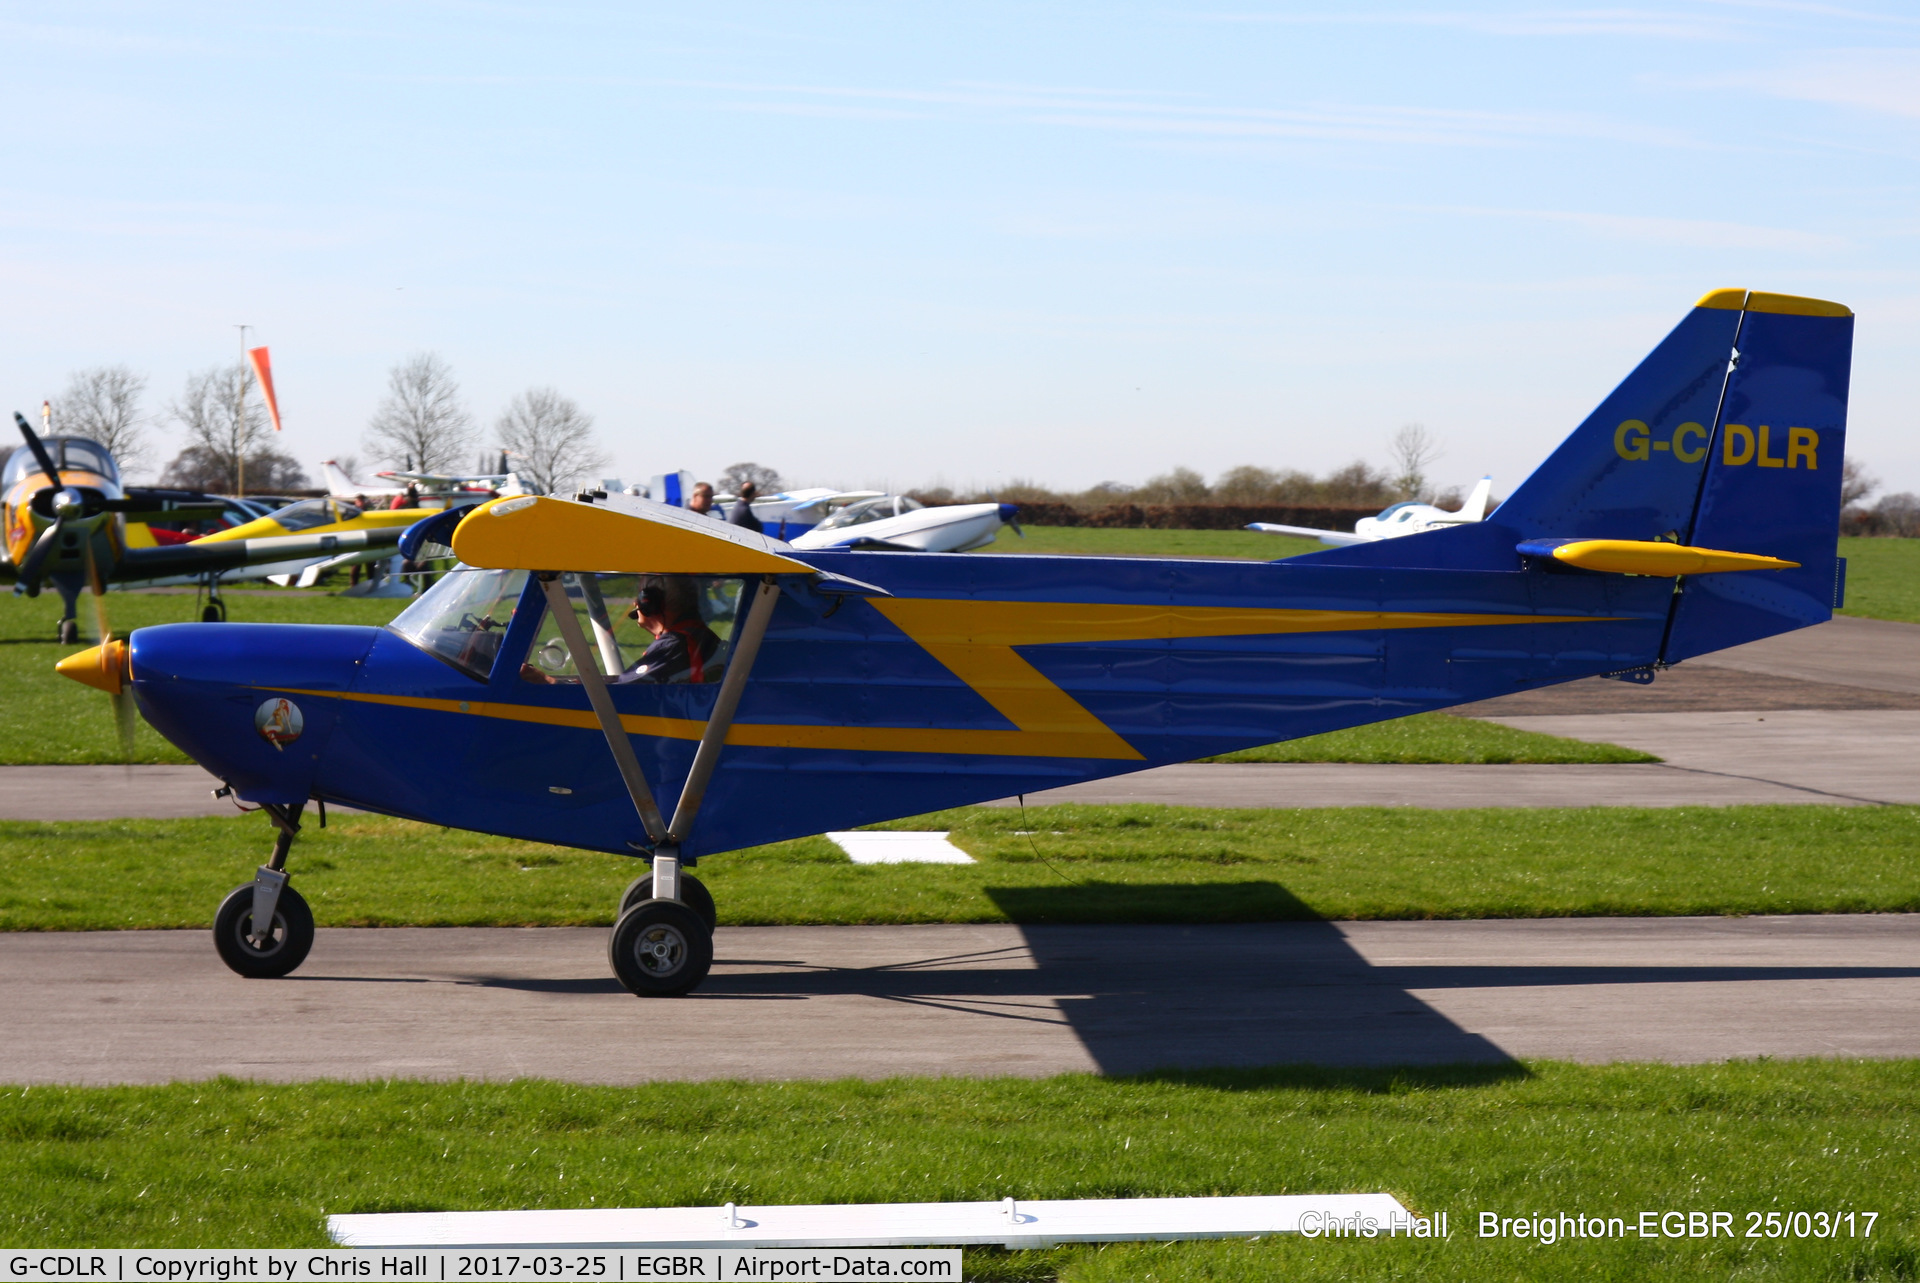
215 613
285 949
660 949
693 894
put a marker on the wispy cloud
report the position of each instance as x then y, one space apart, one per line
1688 233
1184 115
1879 80
1708 20
1663 24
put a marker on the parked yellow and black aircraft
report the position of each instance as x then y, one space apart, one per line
63 521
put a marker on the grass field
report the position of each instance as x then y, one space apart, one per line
45 719
1052 864
227 1163
1883 578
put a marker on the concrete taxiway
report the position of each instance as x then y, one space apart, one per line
825 1002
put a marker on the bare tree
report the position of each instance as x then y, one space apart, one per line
766 479
1182 485
1412 451
103 404
551 439
421 424
268 471
1855 484
223 420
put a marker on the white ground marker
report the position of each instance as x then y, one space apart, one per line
899 848
1010 1222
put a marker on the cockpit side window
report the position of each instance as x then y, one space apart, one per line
858 514
694 613
305 515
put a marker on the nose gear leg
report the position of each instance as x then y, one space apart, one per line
270 879
264 928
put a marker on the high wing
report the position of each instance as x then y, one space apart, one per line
435 481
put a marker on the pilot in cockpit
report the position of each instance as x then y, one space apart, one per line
668 606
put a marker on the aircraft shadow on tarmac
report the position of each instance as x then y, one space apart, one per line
1197 995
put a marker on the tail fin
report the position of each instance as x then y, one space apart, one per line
1729 435
1633 469
339 484
1475 508
1772 483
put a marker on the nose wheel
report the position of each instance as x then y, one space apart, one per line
269 954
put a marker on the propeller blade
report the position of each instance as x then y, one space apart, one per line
38 448
103 636
37 556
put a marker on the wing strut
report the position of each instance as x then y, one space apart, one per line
603 710
739 664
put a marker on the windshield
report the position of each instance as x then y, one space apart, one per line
855 514
309 513
68 452
463 618
85 456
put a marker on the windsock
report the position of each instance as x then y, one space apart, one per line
263 368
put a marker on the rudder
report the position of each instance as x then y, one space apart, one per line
1772 483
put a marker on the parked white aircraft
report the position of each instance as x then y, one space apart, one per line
430 486
793 513
901 524
1392 522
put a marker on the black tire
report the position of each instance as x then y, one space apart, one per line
660 949
215 613
288 948
693 894
69 632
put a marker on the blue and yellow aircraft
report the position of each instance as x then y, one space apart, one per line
771 693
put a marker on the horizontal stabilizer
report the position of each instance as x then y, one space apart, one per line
1648 557
619 534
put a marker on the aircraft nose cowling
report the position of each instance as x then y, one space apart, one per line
253 703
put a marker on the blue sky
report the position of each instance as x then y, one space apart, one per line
963 243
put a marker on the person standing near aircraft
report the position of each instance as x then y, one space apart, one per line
742 514
701 500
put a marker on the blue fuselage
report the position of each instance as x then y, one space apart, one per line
849 719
